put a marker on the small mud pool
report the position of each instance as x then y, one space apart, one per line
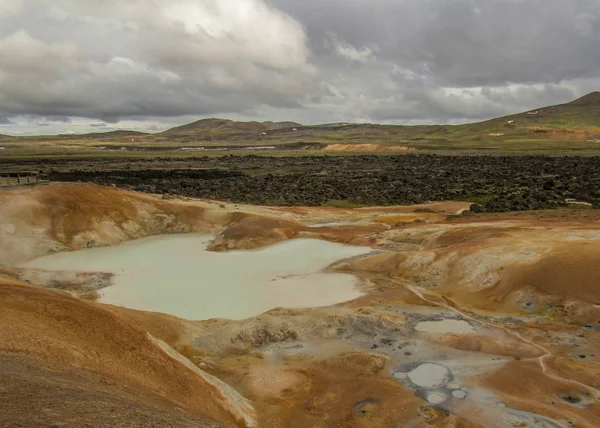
430 375
445 326
176 275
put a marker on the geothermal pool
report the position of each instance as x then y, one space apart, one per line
175 274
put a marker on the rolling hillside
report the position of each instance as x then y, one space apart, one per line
567 128
215 128
581 114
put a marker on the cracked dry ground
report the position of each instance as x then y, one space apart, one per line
467 321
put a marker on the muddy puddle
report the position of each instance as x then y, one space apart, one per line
435 382
176 275
445 326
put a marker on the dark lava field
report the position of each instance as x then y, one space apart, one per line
495 183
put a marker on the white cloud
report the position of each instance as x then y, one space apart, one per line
10 7
398 61
192 32
349 52
233 31
57 13
21 53
585 24
122 68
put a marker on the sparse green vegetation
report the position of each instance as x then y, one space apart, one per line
563 129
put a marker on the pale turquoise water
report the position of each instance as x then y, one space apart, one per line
175 274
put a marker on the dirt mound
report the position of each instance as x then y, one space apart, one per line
563 134
498 345
249 231
66 335
568 271
334 393
470 237
62 216
511 266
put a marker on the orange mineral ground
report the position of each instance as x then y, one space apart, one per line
465 320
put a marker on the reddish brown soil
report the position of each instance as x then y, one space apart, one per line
570 270
521 385
61 333
32 396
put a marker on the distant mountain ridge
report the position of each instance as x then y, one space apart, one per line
575 120
118 133
582 112
226 126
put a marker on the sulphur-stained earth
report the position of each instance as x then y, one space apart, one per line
465 320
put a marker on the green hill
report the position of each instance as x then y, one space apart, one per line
573 127
216 128
115 134
581 113
578 120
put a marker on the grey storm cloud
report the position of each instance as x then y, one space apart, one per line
395 61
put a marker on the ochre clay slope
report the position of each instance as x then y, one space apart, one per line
54 331
73 216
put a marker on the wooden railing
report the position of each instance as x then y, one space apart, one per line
22 179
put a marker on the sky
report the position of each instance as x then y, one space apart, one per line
87 65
